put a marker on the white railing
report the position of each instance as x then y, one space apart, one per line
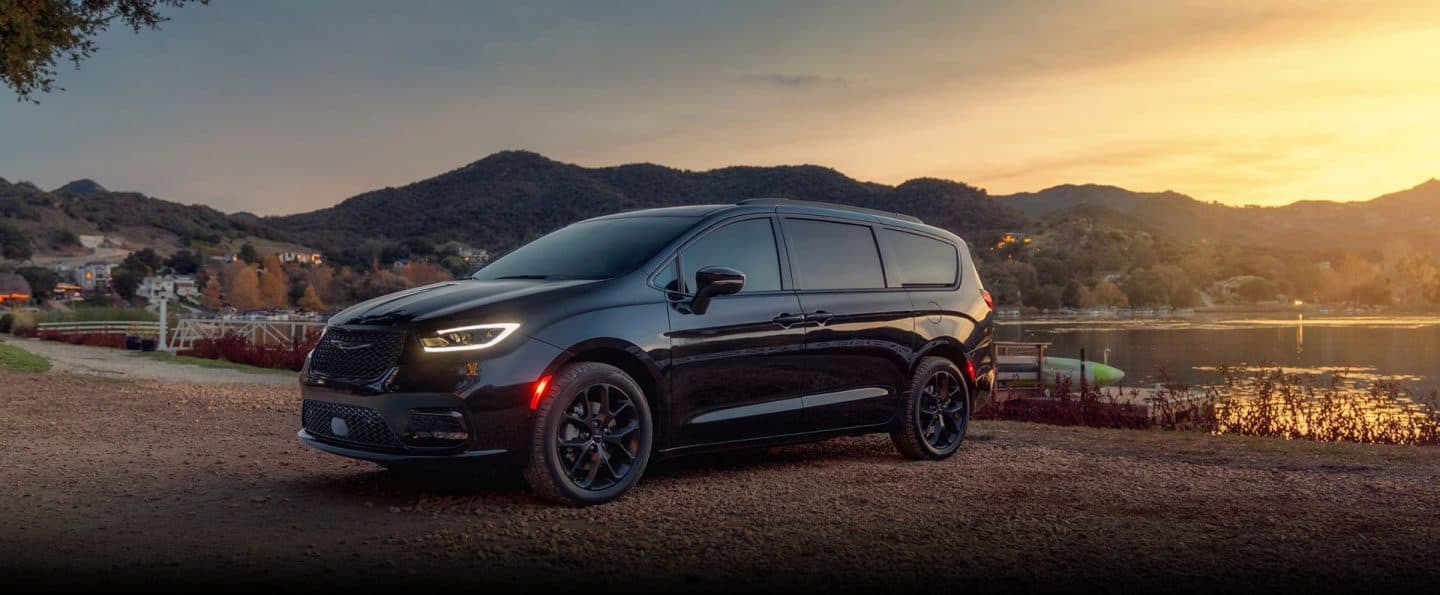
258 332
107 327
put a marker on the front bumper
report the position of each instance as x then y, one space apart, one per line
489 406
390 458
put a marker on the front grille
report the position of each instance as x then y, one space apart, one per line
356 355
357 425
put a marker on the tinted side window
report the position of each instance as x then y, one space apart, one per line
919 261
746 246
668 279
831 255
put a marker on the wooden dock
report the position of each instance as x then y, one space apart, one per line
1028 395
1150 406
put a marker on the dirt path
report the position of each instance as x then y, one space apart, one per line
171 485
121 364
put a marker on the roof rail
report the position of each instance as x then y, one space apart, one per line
829 205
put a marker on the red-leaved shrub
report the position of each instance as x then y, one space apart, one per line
114 340
239 349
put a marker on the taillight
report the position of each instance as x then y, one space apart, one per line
970 370
540 386
989 301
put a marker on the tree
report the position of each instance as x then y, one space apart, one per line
248 254
322 279
14 244
36 35
1106 293
456 265
125 280
242 286
1143 287
1044 296
183 262
1374 293
42 281
210 297
274 286
310 301
1256 289
144 261
424 273
1073 295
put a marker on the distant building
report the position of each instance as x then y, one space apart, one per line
94 276
1013 238
67 291
13 288
167 286
300 257
474 255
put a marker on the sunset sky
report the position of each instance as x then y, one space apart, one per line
278 107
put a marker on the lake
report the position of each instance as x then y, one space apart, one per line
1406 349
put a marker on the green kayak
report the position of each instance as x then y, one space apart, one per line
1019 371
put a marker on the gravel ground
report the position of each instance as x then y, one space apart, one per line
171 485
122 364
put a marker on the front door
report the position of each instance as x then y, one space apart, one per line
737 371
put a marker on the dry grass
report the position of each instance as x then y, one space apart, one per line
1264 402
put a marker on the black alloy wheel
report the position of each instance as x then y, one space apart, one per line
941 411
599 437
937 411
592 436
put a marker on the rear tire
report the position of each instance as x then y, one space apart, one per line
937 411
592 437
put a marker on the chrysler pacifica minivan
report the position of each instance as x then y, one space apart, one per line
587 353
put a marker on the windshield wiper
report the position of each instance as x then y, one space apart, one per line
523 277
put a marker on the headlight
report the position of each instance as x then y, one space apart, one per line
466 338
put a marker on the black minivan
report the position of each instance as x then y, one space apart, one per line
584 354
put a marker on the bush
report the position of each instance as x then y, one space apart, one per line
113 340
1260 402
239 349
20 324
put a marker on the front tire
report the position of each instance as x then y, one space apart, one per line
592 437
937 411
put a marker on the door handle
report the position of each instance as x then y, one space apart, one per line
820 317
786 319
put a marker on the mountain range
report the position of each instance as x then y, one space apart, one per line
507 198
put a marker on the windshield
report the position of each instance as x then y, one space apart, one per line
589 249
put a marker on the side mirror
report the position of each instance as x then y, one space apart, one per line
713 281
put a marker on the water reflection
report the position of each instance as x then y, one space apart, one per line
1287 405
1300 336
1189 351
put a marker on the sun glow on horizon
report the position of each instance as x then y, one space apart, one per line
1242 102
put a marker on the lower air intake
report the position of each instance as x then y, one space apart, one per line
347 423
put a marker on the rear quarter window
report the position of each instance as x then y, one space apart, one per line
920 261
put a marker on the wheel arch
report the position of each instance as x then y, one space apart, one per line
952 350
632 360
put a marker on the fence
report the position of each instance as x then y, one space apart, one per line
127 327
257 332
